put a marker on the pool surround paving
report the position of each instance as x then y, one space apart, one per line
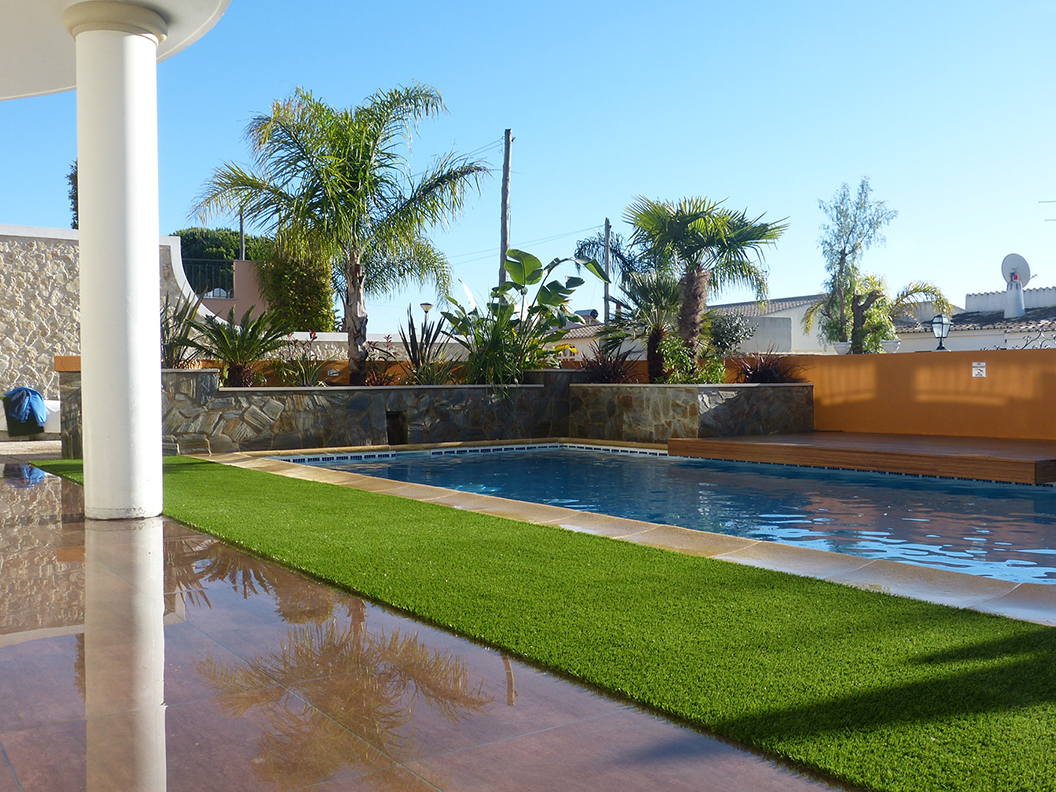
1034 602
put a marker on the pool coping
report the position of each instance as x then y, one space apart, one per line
1032 602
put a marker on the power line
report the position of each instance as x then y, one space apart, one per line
486 147
490 252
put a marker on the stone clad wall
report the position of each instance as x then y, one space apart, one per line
40 305
39 310
201 417
656 413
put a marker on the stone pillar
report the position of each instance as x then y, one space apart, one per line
117 147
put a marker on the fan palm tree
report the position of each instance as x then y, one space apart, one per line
336 182
648 311
711 246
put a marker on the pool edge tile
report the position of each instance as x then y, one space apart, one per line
1030 602
1034 602
803 561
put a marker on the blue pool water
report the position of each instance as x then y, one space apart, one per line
1000 531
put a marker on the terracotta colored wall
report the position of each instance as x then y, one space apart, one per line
934 393
247 293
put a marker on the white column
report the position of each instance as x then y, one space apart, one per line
117 148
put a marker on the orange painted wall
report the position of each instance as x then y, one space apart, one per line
934 393
247 293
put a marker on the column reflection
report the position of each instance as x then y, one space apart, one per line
124 655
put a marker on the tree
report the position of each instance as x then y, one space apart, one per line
728 331
710 246
75 206
335 181
872 310
298 288
649 311
855 223
221 244
626 257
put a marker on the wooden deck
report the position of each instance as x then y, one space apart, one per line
988 459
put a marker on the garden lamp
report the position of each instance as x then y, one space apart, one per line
427 307
940 327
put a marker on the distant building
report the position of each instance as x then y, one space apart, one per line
1015 318
778 324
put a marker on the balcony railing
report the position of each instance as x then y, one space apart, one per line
211 277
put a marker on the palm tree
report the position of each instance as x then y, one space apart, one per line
335 182
240 344
864 311
648 311
711 246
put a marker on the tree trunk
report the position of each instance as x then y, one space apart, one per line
654 358
859 307
356 325
239 375
694 296
355 317
841 296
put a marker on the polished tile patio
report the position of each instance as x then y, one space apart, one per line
141 655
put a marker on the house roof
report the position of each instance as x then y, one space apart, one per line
584 330
754 308
1033 320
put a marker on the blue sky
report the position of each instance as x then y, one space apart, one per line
771 105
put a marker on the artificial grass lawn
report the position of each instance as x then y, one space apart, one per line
881 692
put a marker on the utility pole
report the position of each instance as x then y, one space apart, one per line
241 237
607 276
504 222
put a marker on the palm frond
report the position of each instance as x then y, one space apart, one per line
336 182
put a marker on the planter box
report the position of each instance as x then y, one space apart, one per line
200 417
656 413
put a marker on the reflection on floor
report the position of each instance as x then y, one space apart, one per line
141 655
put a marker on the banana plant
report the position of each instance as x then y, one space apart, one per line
514 333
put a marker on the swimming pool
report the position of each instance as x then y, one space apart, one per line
1000 531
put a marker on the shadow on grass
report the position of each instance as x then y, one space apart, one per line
1019 673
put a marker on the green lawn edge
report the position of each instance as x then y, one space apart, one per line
880 692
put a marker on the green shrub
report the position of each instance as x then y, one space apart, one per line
514 334
682 368
298 289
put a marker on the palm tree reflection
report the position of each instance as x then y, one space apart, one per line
193 563
334 693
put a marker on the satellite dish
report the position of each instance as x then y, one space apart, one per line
1015 266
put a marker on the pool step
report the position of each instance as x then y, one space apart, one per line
980 458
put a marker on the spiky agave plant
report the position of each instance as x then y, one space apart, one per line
238 345
428 363
178 333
